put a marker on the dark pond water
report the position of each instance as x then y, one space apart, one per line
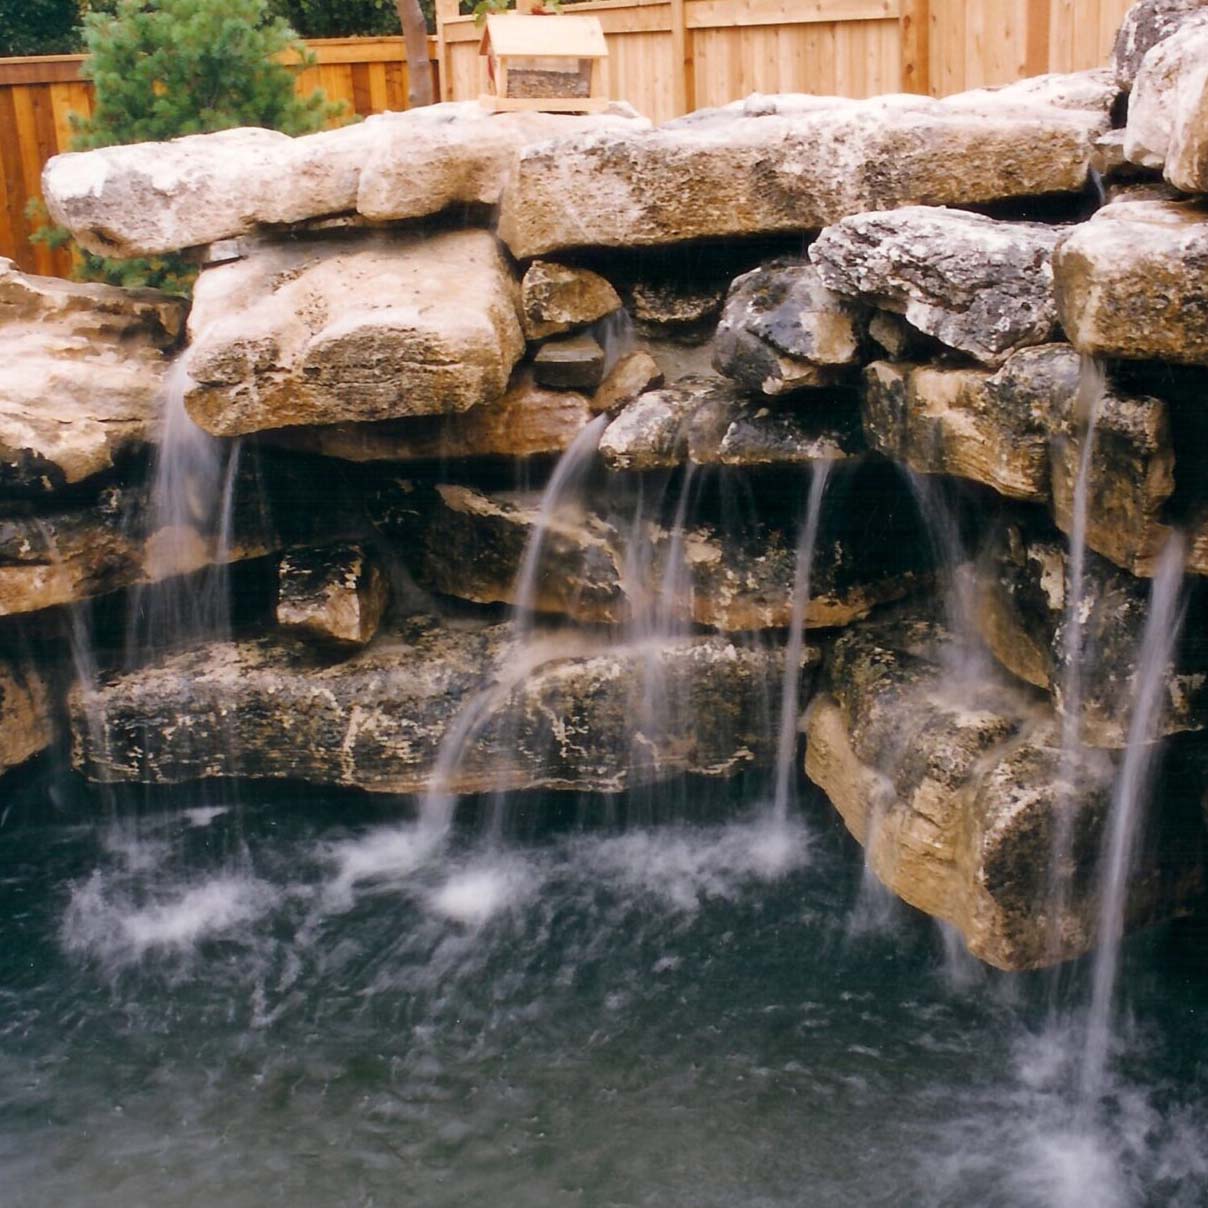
291 1000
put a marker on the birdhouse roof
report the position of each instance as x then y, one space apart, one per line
557 35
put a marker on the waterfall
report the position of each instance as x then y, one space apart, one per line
189 523
786 746
436 807
1087 406
1129 796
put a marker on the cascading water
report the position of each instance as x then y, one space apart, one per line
1088 403
786 745
1163 625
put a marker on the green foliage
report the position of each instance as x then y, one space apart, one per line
163 68
38 27
346 18
483 8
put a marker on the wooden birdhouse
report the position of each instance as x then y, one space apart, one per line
550 63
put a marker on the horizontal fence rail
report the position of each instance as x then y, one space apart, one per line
666 57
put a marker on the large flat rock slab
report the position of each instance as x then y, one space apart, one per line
563 715
145 199
799 163
1133 282
981 286
81 375
329 331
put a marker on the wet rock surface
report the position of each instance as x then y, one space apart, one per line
82 368
1022 616
332 595
328 331
993 428
26 724
570 363
567 716
979 285
782 330
1130 282
952 790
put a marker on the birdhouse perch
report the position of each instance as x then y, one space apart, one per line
552 63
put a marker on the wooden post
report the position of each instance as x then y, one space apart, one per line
682 83
915 33
1039 33
446 10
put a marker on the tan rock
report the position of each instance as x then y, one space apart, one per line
797 163
555 298
26 726
993 428
1130 282
528 421
1147 23
333 595
632 375
384 327
81 370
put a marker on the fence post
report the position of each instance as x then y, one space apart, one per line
682 82
445 11
914 29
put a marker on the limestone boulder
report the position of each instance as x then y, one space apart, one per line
978 285
796 163
1168 113
144 199
1147 23
709 421
81 374
570 363
953 789
555 298
79 550
563 714
993 428
527 421
1131 283
782 330
618 568
26 721
1022 616
632 375
1130 480
333 595
330 331
676 309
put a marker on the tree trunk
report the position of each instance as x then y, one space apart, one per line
419 70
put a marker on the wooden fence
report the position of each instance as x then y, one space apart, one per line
666 57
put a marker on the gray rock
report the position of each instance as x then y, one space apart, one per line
1168 114
1131 282
799 163
571 363
556 297
331 331
674 309
1147 23
978 285
782 329
333 595
81 372
148 198
569 715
